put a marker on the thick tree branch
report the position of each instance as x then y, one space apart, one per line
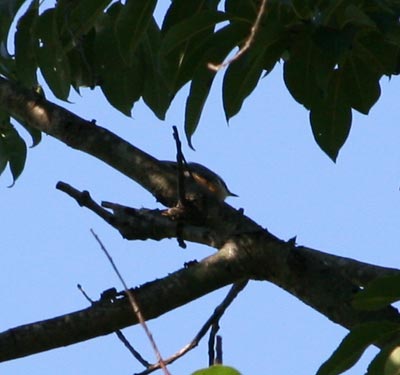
247 251
86 136
249 256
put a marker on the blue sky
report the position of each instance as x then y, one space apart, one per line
268 157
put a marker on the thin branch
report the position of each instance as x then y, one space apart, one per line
248 42
119 334
134 305
213 319
131 349
180 159
84 199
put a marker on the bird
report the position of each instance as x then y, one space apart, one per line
204 177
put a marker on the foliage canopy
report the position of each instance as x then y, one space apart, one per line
334 54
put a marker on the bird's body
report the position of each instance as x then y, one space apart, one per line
206 178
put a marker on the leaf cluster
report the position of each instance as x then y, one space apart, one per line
333 52
378 294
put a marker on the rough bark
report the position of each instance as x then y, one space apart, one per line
325 282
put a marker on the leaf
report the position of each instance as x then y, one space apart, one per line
12 148
305 71
156 92
354 345
378 54
240 79
242 75
302 8
222 42
121 89
76 18
8 10
4 123
361 84
386 362
53 61
82 62
185 42
331 118
131 25
392 365
36 135
354 15
217 370
190 28
378 294
26 45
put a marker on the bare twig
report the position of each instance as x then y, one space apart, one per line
180 159
119 334
131 349
134 305
212 358
84 199
213 319
218 351
248 42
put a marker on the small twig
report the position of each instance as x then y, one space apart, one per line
84 199
79 286
213 319
247 44
119 334
212 358
134 305
180 159
218 351
182 202
132 350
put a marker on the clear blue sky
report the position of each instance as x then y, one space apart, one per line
267 156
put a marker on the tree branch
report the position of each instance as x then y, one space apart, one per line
246 251
156 177
296 270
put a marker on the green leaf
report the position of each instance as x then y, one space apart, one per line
12 148
361 84
242 75
386 362
82 62
156 93
76 18
53 61
8 10
306 71
121 89
331 118
354 345
36 135
217 370
185 39
354 15
378 54
240 79
392 365
302 8
26 45
334 44
378 294
131 25
4 124
190 28
223 41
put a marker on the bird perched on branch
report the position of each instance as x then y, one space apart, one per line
205 177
